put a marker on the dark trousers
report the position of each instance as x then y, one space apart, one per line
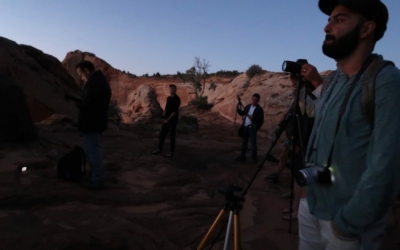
94 155
171 129
250 133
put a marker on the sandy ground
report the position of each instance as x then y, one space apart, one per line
150 202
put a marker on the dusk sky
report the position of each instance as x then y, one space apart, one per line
149 36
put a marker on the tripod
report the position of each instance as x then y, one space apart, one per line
234 203
295 113
238 106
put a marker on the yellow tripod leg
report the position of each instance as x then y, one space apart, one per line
208 234
236 231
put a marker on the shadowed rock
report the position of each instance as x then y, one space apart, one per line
15 119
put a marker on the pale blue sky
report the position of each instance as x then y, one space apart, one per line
149 36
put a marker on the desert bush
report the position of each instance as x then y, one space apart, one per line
227 73
114 111
201 102
187 124
212 86
253 70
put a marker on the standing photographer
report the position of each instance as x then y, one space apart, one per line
308 99
171 114
253 115
93 118
359 155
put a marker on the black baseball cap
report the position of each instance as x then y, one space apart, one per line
372 10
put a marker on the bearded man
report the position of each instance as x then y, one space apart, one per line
351 211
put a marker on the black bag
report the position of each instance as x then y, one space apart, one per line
241 131
71 167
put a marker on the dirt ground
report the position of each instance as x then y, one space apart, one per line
150 202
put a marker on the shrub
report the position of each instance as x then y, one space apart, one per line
212 86
114 112
227 73
201 102
187 124
253 70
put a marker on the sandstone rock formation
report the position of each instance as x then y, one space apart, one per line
141 105
275 90
15 119
42 78
136 98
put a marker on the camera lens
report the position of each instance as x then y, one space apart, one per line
307 176
301 178
284 66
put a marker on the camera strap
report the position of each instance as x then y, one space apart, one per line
364 67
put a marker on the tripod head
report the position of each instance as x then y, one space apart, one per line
229 193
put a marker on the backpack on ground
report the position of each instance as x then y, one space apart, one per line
368 88
71 167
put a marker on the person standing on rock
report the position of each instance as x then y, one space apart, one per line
171 115
253 115
93 119
349 209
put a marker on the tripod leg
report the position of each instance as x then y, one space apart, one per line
228 230
208 234
237 231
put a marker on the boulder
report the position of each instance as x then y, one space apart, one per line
141 105
15 118
41 77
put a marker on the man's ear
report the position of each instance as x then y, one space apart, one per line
368 29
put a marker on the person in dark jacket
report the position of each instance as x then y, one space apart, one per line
253 119
93 118
170 122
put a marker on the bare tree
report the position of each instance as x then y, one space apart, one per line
191 76
201 71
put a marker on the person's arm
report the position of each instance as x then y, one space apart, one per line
380 183
311 74
243 112
310 104
260 118
92 99
240 112
175 107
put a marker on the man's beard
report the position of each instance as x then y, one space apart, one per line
343 46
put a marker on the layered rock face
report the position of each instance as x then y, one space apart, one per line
42 78
135 97
275 90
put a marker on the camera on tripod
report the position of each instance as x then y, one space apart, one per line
313 173
294 67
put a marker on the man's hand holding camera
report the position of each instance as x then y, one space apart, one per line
309 72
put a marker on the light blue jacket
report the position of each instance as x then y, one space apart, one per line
366 162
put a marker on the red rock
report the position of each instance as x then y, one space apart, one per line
42 78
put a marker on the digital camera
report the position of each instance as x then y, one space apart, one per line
294 67
313 173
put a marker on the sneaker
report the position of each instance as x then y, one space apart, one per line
156 152
273 177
